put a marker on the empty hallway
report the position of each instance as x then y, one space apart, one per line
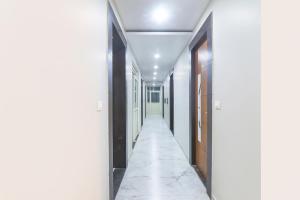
158 169
130 100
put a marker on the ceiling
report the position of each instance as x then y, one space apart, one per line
159 27
145 46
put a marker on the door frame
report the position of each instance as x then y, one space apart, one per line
163 101
114 25
171 96
142 102
205 33
146 100
135 80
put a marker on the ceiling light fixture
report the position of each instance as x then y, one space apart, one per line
160 15
155 66
154 73
156 56
154 78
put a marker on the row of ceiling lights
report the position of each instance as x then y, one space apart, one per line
159 15
156 56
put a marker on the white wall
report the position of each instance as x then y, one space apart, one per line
236 83
130 61
155 108
167 105
182 101
53 70
129 85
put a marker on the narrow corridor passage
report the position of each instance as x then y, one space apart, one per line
158 169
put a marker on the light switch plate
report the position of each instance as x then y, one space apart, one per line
99 106
218 105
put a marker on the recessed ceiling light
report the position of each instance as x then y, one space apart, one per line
160 14
156 56
153 84
154 78
154 73
155 66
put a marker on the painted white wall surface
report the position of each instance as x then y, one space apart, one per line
135 108
130 62
155 108
53 70
167 105
129 86
182 101
236 83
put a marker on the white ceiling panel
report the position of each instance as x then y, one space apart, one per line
159 26
180 15
167 45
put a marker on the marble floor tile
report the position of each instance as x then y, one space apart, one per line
158 169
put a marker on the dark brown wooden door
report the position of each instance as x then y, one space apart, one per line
119 104
172 103
142 103
201 110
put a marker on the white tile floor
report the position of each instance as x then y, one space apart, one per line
158 169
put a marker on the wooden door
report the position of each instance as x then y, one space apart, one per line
201 110
142 102
172 103
163 101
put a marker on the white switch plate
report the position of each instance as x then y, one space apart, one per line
99 106
218 105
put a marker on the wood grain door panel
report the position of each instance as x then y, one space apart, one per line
201 147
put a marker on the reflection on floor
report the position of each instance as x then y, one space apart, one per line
118 175
158 169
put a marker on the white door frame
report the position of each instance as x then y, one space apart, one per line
135 104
